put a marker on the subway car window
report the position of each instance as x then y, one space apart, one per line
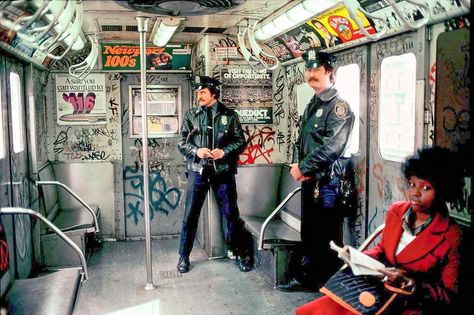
397 107
17 112
348 85
162 111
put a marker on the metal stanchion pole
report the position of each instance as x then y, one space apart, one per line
142 29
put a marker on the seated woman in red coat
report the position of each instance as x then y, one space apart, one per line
419 241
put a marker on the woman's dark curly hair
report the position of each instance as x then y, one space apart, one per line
441 167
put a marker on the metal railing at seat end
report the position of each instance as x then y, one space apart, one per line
273 214
72 193
17 210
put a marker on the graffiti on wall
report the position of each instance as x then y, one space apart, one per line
294 76
163 198
260 145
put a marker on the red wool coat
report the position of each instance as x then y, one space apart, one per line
432 259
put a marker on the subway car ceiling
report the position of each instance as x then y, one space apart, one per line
264 33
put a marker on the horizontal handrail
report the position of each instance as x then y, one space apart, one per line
70 191
17 210
369 240
273 214
352 7
372 237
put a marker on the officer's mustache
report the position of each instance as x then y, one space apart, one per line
313 79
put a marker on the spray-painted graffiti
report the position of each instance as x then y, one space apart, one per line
373 100
360 173
85 143
152 79
21 236
125 119
391 47
61 139
431 106
158 149
278 102
114 110
376 218
162 198
4 256
378 175
260 143
294 76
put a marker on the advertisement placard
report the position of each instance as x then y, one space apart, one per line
335 26
249 93
81 102
127 57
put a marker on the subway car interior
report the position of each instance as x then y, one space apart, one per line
93 191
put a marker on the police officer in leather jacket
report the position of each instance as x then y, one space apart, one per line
211 139
319 164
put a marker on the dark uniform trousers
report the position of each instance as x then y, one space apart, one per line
225 191
321 223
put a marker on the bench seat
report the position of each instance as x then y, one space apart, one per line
277 231
52 294
69 219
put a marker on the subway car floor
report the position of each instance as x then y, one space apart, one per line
117 277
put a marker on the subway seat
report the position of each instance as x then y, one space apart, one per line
52 294
77 221
261 188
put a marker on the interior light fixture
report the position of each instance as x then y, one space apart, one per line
294 16
166 29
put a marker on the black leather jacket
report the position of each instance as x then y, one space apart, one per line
324 135
227 135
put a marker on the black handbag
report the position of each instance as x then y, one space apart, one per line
362 294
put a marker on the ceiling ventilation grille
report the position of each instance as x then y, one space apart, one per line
191 29
180 8
215 30
112 28
131 28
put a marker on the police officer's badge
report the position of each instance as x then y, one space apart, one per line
224 120
319 112
341 109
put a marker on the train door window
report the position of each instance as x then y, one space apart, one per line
397 107
16 112
348 85
2 139
163 109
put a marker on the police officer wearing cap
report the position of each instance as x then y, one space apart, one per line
211 139
318 163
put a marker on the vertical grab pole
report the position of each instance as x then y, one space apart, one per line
142 29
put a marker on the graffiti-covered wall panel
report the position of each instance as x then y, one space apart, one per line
75 132
81 137
166 167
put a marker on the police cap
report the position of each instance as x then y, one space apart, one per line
201 82
314 59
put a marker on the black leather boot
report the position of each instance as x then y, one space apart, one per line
244 263
294 285
183 264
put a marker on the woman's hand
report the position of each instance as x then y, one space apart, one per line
392 274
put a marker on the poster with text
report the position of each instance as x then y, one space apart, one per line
249 93
335 26
127 57
81 101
